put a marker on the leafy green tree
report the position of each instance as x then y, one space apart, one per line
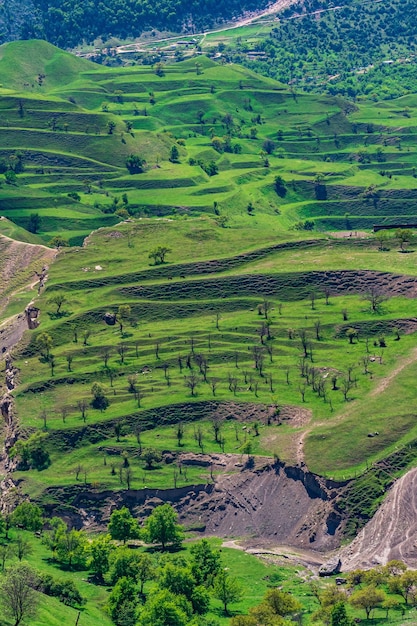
72 548
101 549
123 525
17 595
124 563
367 599
44 343
59 241
11 178
159 69
281 603
28 516
34 223
150 456
404 235
123 601
351 334
31 452
158 254
174 156
180 580
100 400
404 584
164 608
123 314
205 562
161 527
227 589
65 590
339 616
22 547
135 164
57 526
58 299
146 570
279 186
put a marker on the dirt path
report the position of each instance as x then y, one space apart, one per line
276 7
297 556
385 382
382 386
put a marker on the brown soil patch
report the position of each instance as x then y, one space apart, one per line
350 234
18 263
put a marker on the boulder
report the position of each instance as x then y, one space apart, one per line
332 566
109 318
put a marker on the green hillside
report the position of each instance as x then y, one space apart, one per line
68 128
231 314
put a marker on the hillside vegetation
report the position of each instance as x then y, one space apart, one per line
229 313
355 48
67 24
210 140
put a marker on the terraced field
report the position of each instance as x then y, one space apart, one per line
68 126
277 323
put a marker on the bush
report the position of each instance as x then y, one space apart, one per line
65 590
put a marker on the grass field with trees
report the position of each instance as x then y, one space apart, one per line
218 288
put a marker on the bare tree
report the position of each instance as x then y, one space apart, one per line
262 332
69 358
317 326
233 384
64 412
304 341
346 386
375 298
105 354
128 476
179 431
365 360
198 435
287 370
216 426
327 293
213 384
86 336
218 318
191 382
132 379
121 350
266 307
79 468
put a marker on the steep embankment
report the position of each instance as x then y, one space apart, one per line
392 533
272 502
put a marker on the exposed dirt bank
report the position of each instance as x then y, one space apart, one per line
391 533
270 502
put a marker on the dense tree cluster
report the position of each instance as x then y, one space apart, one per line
351 48
67 23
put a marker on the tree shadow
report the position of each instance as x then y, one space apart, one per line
58 316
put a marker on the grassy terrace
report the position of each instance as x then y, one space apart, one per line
229 225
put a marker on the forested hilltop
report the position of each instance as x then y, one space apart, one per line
67 23
349 49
